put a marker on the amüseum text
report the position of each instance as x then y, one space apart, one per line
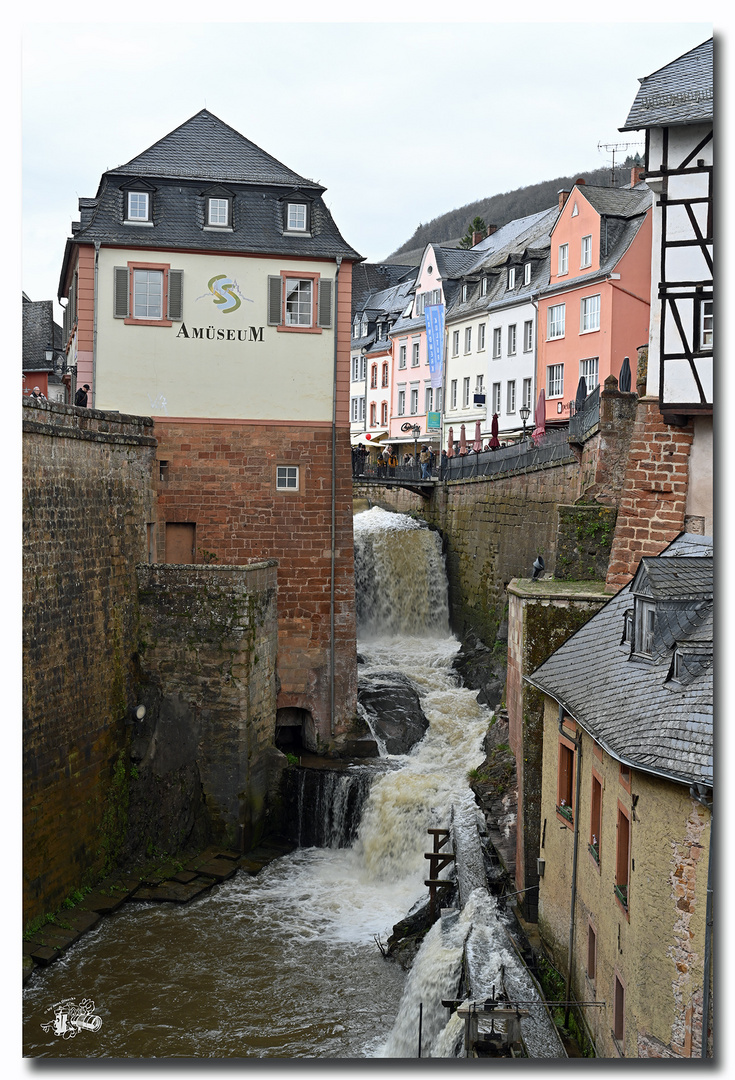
210 333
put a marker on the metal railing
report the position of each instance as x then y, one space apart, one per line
581 423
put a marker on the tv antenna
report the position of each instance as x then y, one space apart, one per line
612 148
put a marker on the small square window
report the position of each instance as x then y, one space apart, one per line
287 477
218 212
138 206
297 217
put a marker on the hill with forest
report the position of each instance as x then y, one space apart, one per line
499 209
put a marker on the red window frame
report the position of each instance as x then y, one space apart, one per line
565 777
130 320
313 329
623 847
595 816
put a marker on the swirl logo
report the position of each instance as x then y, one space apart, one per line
223 289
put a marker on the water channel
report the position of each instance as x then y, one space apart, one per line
284 964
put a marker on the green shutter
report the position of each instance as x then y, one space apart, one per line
275 301
324 306
175 294
120 306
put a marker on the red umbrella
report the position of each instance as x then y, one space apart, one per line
478 437
494 441
540 417
450 449
462 440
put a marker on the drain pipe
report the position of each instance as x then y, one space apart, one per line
577 741
94 324
334 503
698 793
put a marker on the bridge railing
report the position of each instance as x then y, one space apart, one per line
551 448
581 423
369 471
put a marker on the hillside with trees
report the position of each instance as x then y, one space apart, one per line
498 209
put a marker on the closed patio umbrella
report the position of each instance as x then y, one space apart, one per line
494 427
450 448
540 417
581 393
478 437
462 440
625 376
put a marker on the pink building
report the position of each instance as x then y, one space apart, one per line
596 308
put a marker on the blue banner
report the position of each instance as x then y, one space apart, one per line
435 341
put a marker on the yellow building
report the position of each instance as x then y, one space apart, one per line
626 809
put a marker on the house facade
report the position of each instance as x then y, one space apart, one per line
209 287
595 310
626 809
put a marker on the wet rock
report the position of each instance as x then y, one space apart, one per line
392 704
482 668
408 934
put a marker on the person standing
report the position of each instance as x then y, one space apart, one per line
81 397
424 460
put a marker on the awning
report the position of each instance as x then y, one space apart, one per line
367 438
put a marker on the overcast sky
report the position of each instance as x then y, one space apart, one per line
400 121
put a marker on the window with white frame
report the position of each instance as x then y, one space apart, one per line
706 329
512 340
363 367
384 375
438 402
483 287
590 369
296 217
356 329
455 343
147 294
586 259
481 337
401 402
355 406
497 341
138 206
373 414
364 328
287 477
527 273
511 396
429 399
355 368
218 212
555 380
384 414
414 400
556 321
468 339
373 376
402 350
527 392
453 394
496 397
645 625
563 259
466 393
528 335
589 311
480 384
415 354
465 292
437 296
512 277
299 301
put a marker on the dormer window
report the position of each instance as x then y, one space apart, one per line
465 292
297 217
138 208
218 212
645 624
677 666
527 274
483 287
628 627
512 278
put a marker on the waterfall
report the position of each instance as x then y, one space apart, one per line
400 581
325 805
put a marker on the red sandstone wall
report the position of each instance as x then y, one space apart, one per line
653 502
221 476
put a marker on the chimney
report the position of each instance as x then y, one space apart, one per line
579 182
491 229
477 237
563 196
637 173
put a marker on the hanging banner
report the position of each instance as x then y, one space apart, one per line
435 341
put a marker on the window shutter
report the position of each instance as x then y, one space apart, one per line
120 306
275 298
324 309
175 294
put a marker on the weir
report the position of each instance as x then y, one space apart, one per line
285 964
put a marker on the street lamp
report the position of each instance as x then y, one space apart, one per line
525 413
416 433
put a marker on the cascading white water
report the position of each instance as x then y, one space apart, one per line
285 964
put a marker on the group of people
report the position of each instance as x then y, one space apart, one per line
388 461
81 397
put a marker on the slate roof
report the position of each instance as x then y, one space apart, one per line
181 168
681 92
39 331
629 705
368 278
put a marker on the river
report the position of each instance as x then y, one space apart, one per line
284 964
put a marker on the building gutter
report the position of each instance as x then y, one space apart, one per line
577 741
334 502
94 324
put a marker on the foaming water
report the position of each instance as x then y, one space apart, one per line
285 964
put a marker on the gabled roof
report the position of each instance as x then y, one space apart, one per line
682 92
206 148
39 332
617 202
631 707
684 578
